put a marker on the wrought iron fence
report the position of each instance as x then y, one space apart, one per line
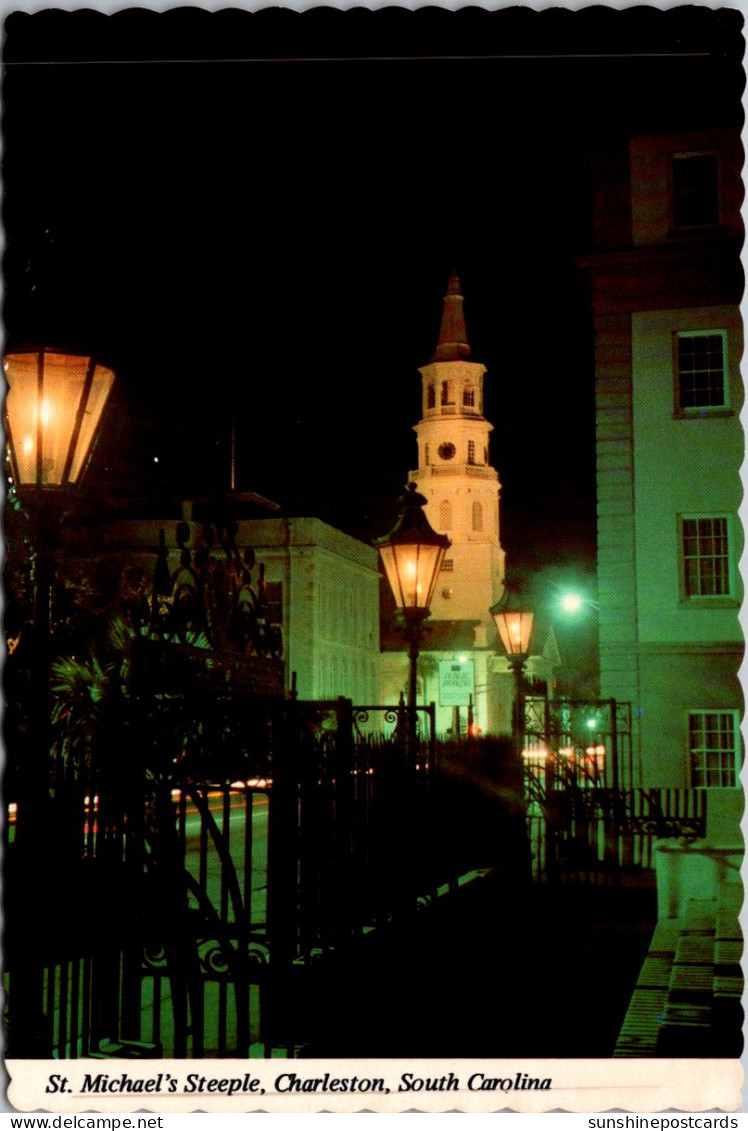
234 844
587 819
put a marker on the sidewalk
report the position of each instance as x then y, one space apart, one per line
488 972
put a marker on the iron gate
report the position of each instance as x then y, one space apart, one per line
587 819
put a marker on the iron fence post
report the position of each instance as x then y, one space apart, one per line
29 1026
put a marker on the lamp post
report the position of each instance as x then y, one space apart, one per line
54 408
412 555
514 625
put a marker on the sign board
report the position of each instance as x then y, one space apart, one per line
456 682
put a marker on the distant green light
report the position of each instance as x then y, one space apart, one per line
591 724
571 603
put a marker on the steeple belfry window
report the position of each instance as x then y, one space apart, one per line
471 451
430 397
468 396
448 392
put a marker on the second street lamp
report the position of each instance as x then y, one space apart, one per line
514 625
412 555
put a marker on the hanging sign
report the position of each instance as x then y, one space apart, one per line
456 682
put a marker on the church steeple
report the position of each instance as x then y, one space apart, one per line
453 343
455 474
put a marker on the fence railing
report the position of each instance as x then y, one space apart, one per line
237 846
594 834
237 843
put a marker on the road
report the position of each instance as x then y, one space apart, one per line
203 861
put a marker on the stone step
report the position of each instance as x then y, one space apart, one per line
642 1024
687 1001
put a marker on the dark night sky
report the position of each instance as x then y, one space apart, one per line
266 206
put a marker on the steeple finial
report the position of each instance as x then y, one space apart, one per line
453 343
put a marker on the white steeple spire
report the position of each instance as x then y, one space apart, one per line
455 475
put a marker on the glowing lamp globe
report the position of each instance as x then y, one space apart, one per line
412 555
514 628
53 409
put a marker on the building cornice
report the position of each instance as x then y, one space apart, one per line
675 648
664 276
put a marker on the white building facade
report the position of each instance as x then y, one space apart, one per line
329 584
666 287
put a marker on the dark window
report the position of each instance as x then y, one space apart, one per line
695 200
430 397
448 393
273 592
471 451
706 564
701 371
468 396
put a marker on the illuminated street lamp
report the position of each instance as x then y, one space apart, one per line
514 625
412 555
53 412
573 603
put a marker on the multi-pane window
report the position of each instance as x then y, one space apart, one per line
468 396
426 453
706 561
701 370
695 190
430 397
714 748
445 514
448 565
448 392
471 451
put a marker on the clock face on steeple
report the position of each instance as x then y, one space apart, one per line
447 451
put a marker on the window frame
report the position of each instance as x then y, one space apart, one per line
697 764
701 411
714 600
